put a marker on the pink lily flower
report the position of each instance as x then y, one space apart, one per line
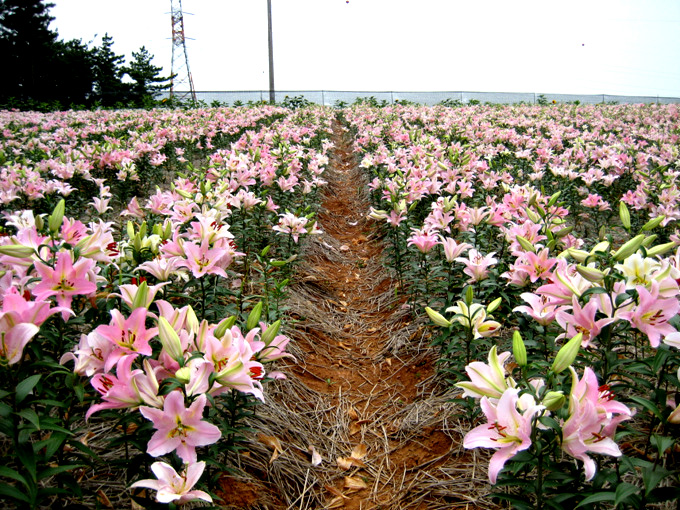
64 281
652 313
582 320
540 308
232 359
202 260
537 266
487 380
162 268
14 337
476 265
508 431
423 239
453 249
89 357
129 292
20 310
175 488
291 224
118 392
179 428
591 424
565 283
130 335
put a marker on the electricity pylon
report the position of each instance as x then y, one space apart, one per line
181 83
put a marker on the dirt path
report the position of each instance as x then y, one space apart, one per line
363 394
366 357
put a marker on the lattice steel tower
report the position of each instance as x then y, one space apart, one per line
181 83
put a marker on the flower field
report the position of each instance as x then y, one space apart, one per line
396 307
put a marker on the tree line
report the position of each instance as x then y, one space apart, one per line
42 72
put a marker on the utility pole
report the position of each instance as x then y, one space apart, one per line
272 95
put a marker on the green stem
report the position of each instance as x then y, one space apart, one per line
202 299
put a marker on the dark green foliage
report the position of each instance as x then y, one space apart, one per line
44 73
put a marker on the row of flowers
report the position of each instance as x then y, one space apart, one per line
560 223
163 320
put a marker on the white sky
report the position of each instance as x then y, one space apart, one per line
627 47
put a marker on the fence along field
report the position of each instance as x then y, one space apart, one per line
147 255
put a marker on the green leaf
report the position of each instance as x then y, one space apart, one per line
647 404
49 402
46 473
26 456
30 415
79 390
662 443
51 444
652 477
14 475
517 502
85 449
624 491
26 386
48 424
598 497
550 422
5 410
13 492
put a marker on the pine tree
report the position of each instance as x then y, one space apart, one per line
26 50
109 89
147 83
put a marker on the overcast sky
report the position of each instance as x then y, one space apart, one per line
627 47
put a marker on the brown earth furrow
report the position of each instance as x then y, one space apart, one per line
363 391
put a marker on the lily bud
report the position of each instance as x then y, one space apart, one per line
449 203
554 198
183 375
192 320
553 400
629 247
532 215
184 194
649 240
602 246
469 295
254 316
437 318
494 304
525 244
130 230
652 224
563 232
223 326
590 273
578 255
170 339
16 250
660 249
519 350
167 230
270 333
57 217
624 214
141 296
567 354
